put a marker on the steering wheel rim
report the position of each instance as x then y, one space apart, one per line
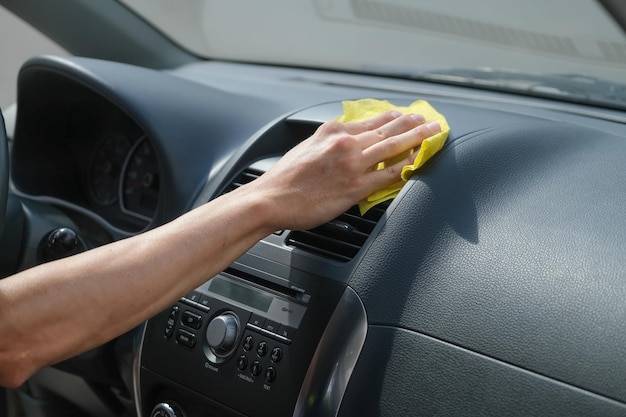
4 171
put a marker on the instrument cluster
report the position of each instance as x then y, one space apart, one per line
124 173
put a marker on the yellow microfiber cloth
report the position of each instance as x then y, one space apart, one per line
357 110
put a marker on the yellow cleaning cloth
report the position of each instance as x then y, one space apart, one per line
358 110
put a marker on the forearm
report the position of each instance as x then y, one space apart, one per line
111 289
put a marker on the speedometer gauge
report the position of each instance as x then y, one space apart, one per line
106 168
140 185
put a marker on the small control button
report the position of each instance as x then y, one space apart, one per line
271 326
261 350
248 343
286 331
270 374
257 320
174 312
168 331
192 320
256 368
193 296
204 301
186 338
277 354
242 362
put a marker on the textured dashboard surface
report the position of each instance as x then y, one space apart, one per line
511 245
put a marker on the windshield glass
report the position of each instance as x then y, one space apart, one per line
400 36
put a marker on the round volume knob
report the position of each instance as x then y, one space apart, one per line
166 409
221 334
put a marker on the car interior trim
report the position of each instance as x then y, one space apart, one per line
334 359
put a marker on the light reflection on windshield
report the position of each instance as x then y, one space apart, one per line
550 36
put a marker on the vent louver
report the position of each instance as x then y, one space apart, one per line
245 177
340 239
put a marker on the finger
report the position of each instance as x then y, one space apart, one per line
389 175
395 145
390 129
355 128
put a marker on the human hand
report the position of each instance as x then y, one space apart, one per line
335 168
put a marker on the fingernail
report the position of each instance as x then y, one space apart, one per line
418 118
396 113
433 127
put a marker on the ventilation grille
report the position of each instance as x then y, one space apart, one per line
340 239
245 177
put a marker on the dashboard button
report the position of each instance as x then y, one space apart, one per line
271 326
277 354
193 296
186 338
286 331
257 320
270 374
256 368
191 320
261 350
204 302
168 331
248 343
242 362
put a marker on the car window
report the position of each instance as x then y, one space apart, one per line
556 36
31 43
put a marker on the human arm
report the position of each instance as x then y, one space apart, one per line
57 310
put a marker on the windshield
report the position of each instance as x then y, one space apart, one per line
400 36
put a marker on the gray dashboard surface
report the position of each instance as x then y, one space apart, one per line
511 244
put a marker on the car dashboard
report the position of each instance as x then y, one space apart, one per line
493 284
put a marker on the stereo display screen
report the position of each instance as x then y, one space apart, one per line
244 295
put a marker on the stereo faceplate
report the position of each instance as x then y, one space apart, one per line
240 346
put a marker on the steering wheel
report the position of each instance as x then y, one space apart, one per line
4 171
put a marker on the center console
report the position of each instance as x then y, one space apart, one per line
280 331
242 346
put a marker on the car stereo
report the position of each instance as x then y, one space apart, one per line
239 345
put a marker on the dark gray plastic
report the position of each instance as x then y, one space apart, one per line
512 245
402 373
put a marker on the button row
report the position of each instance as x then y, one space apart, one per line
256 368
284 333
198 300
261 350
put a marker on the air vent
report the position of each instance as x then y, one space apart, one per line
245 177
340 239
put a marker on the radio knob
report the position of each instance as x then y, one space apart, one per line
166 409
221 334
